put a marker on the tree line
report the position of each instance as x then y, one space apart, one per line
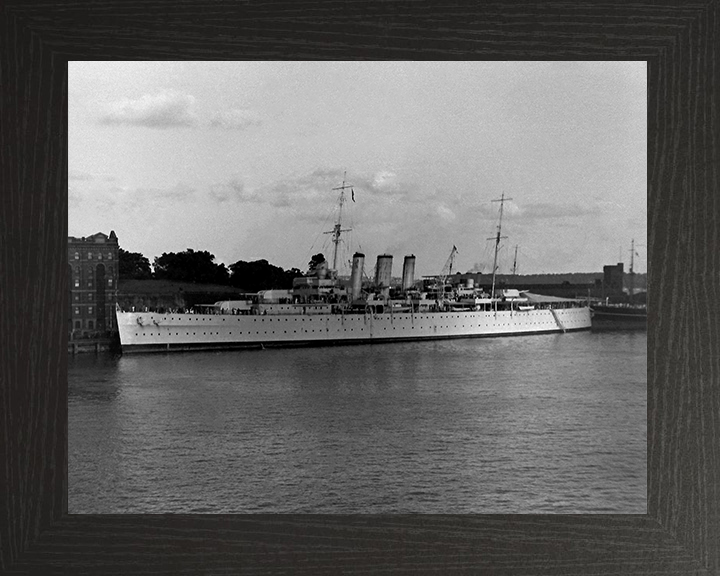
200 267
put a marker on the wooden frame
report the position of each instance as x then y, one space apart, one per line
680 533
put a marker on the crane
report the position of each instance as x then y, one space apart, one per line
447 269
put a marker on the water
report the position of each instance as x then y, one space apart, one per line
537 424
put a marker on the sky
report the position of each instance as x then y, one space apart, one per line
241 158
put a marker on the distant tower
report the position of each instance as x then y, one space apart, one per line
613 279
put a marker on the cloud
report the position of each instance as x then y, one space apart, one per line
385 181
310 189
77 176
382 183
313 190
233 190
74 198
445 213
105 198
316 189
379 197
177 193
164 110
235 119
546 211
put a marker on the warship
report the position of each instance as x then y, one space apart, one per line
323 309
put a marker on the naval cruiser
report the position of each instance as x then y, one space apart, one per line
322 308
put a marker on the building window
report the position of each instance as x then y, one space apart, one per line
99 255
77 269
89 255
109 281
77 311
90 296
90 310
78 325
90 324
90 283
77 255
110 256
77 297
77 282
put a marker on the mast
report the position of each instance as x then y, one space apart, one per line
338 229
632 269
632 259
497 239
515 261
633 253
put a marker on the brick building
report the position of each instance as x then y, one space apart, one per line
93 274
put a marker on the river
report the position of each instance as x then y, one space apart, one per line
551 423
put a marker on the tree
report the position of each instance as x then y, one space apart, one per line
190 266
260 275
133 266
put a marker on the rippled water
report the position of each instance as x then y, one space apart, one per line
538 424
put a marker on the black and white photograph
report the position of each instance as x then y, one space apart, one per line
357 287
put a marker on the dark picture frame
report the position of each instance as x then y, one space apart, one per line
680 532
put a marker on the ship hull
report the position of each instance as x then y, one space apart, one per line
618 318
154 332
